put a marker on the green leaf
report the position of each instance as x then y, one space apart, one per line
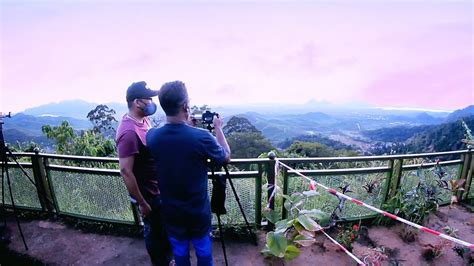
271 215
292 252
304 241
296 197
301 229
283 225
266 251
277 244
308 223
286 197
321 217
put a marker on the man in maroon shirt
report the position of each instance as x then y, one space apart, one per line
138 169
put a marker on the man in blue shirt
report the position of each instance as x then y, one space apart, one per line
181 153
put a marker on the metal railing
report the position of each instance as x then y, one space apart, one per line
92 188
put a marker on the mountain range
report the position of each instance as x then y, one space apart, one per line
277 123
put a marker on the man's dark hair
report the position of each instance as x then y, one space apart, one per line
129 104
172 97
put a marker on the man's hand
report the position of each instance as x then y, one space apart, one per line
145 209
218 122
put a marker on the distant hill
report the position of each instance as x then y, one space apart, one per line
13 136
31 125
395 134
278 128
315 138
456 115
444 137
73 108
239 125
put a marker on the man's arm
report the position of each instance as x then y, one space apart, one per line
218 122
126 170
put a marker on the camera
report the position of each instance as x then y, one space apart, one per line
208 117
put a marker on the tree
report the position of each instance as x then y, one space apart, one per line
90 143
102 117
244 139
239 125
63 135
310 149
85 143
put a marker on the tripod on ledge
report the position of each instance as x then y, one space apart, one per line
4 162
5 156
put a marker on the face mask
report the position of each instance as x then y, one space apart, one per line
149 109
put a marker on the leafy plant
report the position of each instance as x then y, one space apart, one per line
468 134
394 205
420 202
414 205
347 235
298 230
340 206
431 252
455 186
451 231
408 234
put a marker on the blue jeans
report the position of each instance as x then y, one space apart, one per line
203 247
156 239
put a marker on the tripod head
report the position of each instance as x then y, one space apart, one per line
2 140
2 116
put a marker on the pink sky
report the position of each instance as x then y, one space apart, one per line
385 53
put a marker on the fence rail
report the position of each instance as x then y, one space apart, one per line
92 188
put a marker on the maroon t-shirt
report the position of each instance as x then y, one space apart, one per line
131 141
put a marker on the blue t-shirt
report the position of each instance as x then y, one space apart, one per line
181 154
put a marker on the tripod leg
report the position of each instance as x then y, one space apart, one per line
222 238
254 238
39 188
14 209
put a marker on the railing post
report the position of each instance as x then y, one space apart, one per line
389 181
285 192
271 179
258 196
271 184
466 173
396 177
41 181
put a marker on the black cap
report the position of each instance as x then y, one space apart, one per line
138 90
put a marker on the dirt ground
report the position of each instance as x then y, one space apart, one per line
53 243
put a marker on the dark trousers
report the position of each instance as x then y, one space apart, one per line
202 246
156 239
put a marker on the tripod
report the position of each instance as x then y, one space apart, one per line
4 162
221 209
218 207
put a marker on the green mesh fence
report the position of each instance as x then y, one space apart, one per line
23 190
102 196
410 179
245 188
328 202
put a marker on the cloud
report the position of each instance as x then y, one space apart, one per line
446 85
